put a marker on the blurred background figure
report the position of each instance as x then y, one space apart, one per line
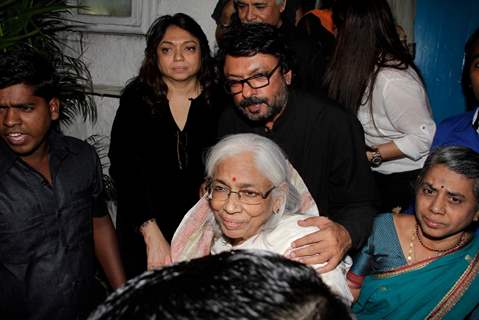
222 14
463 129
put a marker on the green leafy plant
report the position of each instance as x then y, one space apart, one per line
44 26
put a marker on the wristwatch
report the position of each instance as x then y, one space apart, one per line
376 159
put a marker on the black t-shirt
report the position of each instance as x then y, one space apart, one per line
46 240
325 144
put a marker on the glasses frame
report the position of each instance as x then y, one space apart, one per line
267 75
263 195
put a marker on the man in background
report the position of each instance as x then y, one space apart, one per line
308 63
322 140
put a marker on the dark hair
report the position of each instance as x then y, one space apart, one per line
471 99
249 39
231 285
218 10
326 4
25 66
367 41
149 71
461 160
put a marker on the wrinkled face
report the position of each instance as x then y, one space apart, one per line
265 11
239 221
445 203
474 70
179 55
25 120
262 104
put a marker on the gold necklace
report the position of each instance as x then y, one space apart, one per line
410 251
457 245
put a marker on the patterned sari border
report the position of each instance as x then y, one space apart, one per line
457 290
410 267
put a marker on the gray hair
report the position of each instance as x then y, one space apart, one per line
461 160
269 159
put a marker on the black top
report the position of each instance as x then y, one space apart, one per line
157 168
310 60
325 144
46 242
324 43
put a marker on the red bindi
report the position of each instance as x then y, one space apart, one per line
234 178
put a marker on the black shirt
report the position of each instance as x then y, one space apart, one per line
325 144
309 59
46 241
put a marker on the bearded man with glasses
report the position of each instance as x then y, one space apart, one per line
322 140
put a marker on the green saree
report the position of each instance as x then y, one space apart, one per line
441 288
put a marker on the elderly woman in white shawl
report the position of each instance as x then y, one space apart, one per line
251 203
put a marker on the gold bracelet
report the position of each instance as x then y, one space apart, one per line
144 224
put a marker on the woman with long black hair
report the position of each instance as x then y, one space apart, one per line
167 118
372 73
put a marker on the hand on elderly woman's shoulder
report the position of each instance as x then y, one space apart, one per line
328 245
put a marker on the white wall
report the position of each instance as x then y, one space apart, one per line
113 59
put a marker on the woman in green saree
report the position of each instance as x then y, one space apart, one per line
425 266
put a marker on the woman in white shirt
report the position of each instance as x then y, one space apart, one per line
373 74
251 203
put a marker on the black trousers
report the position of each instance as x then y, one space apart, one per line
395 190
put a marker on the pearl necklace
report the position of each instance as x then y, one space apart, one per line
410 251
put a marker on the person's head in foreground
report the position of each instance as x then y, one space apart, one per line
257 68
28 102
249 188
231 285
447 197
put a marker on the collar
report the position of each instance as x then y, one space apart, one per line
58 147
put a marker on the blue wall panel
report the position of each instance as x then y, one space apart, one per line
442 28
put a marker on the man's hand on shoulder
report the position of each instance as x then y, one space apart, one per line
328 245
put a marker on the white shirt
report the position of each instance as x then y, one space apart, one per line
401 114
279 240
